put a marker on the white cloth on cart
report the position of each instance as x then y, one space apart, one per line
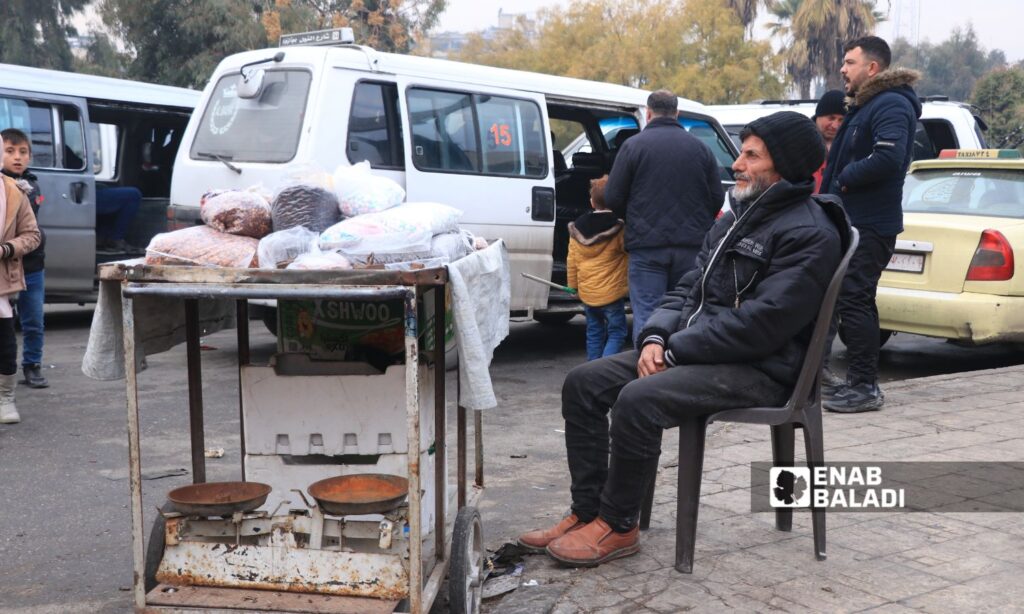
159 326
481 299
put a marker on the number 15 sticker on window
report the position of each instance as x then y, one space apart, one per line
501 135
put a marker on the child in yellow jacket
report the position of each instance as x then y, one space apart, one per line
597 268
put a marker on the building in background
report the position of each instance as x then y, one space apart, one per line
444 44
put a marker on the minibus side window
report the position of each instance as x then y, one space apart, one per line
513 136
374 127
34 119
443 134
73 138
477 134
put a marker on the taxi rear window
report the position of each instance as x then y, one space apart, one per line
966 191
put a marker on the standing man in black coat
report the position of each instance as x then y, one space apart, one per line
665 183
866 167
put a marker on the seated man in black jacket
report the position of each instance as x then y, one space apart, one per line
732 334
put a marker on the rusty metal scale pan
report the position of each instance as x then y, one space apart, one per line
219 498
364 493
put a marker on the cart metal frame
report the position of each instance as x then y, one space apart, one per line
194 283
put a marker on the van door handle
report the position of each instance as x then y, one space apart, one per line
78 192
542 208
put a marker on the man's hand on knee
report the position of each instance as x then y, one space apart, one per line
652 360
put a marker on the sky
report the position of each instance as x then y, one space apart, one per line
997 22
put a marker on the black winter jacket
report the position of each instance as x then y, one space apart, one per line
868 161
34 260
665 183
758 284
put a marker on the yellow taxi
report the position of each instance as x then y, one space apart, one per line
952 274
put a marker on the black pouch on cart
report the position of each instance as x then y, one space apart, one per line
304 205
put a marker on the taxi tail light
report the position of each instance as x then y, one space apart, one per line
993 260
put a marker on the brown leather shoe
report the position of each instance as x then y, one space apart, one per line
594 544
536 541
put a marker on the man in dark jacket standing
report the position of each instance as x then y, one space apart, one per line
866 167
733 333
665 183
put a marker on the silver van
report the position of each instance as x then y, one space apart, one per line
91 132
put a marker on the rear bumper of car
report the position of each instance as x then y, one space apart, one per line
968 317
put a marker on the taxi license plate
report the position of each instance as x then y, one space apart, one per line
909 263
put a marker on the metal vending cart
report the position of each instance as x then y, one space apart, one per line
365 539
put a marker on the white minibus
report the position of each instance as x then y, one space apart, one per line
482 139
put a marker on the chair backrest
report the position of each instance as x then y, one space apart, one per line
806 383
806 387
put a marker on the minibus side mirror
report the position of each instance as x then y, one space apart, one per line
252 84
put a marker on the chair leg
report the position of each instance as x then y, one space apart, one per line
814 441
645 508
782 456
691 466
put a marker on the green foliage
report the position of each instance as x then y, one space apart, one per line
102 58
951 67
1000 97
34 32
697 49
177 42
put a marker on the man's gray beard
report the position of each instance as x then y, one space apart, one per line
752 192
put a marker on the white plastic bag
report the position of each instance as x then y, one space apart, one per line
318 260
403 230
282 247
451 246
359 191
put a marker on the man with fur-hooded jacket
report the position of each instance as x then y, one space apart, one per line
866 168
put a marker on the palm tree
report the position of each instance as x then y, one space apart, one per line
826 25
746 10
798 65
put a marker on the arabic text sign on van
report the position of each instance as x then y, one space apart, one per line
335 36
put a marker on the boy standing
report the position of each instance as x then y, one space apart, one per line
16 159
598 268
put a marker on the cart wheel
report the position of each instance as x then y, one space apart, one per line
466 574
155 548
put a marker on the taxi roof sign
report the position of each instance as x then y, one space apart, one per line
979 154
334 36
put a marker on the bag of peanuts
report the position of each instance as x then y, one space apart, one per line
237 212
202 246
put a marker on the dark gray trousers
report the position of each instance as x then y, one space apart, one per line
640 410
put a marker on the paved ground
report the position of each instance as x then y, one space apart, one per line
882 562
64 543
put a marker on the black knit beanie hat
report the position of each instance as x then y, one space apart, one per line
832 102
793 142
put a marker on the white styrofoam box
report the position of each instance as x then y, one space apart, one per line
339 414
283 478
